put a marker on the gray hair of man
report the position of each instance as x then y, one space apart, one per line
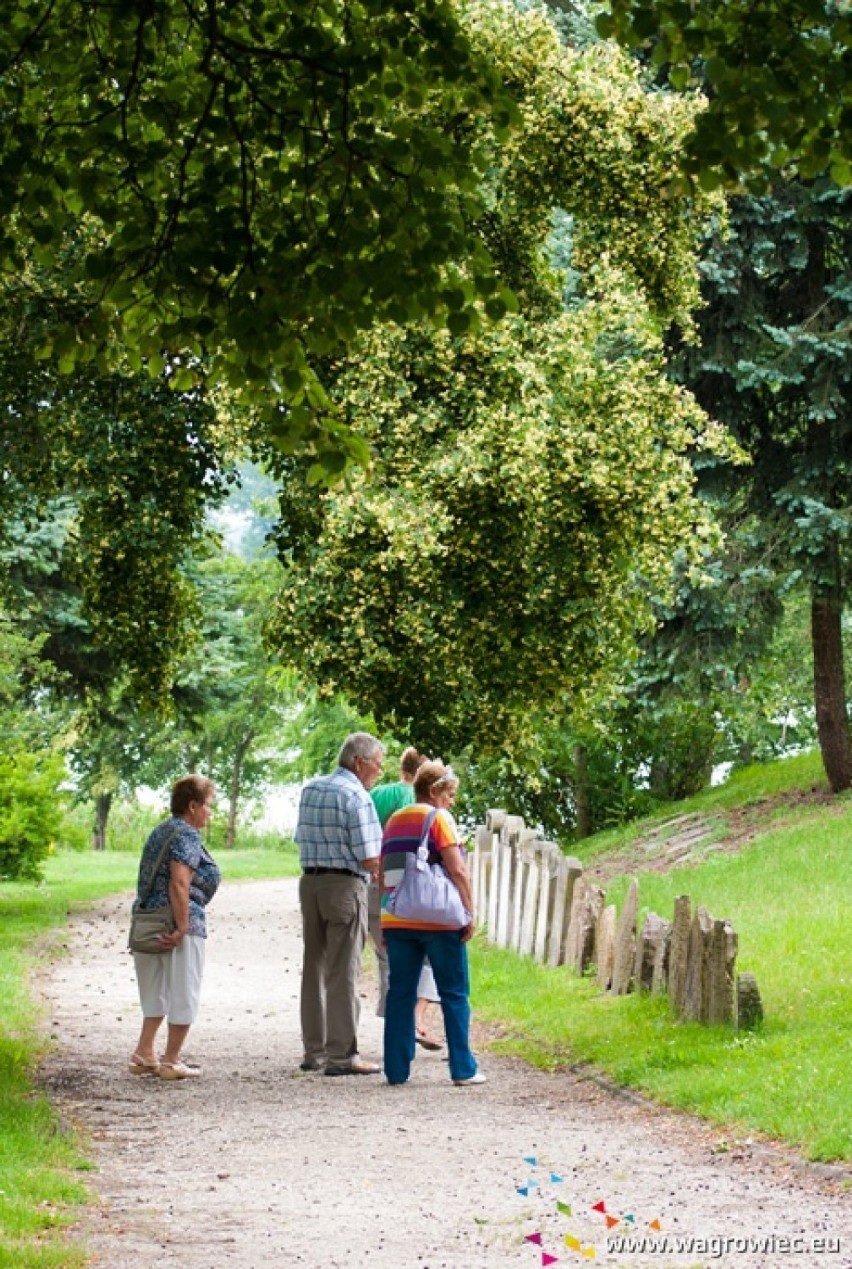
359 745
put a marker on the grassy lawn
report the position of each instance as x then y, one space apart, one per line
42 1167
788 895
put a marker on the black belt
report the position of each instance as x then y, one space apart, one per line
326 872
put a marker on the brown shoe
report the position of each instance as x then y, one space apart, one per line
427 1041
356 1067
142 1066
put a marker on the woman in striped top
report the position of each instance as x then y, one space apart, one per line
410 942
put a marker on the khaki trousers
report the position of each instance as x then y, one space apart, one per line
334 925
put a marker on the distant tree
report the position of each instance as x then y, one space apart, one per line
771 713
315 730
232 700
80 694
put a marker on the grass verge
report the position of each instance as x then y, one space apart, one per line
42 1164
787 893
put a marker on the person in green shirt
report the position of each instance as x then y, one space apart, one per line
388 798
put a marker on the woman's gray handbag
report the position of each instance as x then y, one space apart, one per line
426 894
146 927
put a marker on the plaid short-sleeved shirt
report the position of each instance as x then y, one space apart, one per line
337 825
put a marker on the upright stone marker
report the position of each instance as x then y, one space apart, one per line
720 987
625 942
650 952
568 870
697 997
605 946
679 953
749 1003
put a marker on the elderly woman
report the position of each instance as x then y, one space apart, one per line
176 869
409 942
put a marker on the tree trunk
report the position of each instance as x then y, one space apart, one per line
582 802
830 682
234 794
103 802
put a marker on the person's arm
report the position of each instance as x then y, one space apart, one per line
180 877
452 858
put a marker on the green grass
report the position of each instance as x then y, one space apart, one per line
788 896
42 1164
746 787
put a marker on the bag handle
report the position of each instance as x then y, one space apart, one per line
150 886
427 824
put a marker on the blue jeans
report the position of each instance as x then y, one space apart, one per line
448 958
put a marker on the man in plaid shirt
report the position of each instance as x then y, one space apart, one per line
340 842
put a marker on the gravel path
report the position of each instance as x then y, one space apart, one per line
257 1165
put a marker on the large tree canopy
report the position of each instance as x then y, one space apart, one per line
530 483
530 489
778 74
468 210
247 184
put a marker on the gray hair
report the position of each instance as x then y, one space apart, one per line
359 745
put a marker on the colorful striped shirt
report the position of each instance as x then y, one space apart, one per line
402 838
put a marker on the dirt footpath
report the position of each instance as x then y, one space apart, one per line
256 1165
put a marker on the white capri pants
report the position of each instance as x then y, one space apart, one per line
170 982
427 988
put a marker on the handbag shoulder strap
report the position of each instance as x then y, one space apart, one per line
150 886
427 824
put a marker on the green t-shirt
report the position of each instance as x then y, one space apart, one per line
388 798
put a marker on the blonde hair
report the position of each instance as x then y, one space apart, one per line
433 775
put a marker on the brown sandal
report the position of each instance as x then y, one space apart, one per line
141 1066
427 1041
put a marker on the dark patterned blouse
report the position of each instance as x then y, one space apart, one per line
186 846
